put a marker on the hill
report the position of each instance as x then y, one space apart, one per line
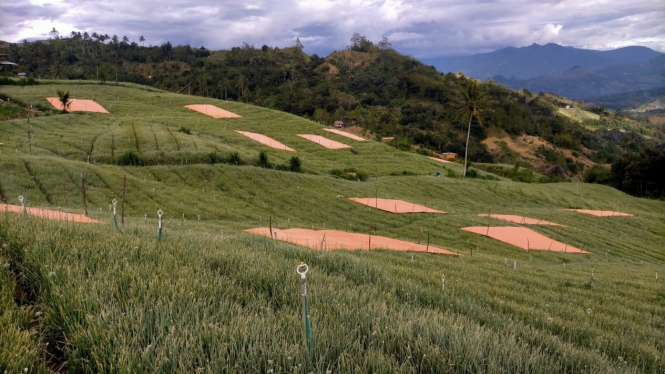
210 298
377 89
536 60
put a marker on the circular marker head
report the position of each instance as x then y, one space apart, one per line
302 269
160 213
114 201
20 198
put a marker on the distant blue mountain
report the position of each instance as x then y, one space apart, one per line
536 60
581 83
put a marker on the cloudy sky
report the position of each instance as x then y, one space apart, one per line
421 28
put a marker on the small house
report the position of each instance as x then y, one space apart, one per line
449 155
7 65
22 75
338 124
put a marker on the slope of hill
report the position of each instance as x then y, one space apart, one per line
387 94
210 298
536 60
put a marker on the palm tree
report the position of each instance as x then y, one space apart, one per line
475 100
63 96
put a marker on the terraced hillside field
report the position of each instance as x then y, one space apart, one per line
211 298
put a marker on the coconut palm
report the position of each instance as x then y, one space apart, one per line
63 96
475 99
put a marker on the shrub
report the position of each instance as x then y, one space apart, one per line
597 174
212 158
130 159
295 164
185 130
263 161
234 158
351 174
452 174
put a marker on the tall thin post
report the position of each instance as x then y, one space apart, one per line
307 337
122 203
85 203
25 213
115 220
159 237
29 136
376 186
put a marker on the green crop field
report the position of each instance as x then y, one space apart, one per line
211 299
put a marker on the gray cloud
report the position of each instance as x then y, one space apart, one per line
422 28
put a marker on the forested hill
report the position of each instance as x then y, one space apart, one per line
371 86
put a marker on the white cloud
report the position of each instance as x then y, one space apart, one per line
418 27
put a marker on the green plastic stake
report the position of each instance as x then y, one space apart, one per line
115 220
159 238
307 334
20 198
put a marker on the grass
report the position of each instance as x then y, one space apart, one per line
578 114
214 299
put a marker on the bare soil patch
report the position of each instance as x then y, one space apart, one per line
600 213
440 160
324 142
524 238
212 111
78 105
48 214
520 219
345 134
328 240
270 142
394 206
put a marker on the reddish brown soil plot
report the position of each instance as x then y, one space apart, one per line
394 206
78 105
324 142
265 140
345 134
600 213
212 111
524 238
440 160
519 219
336 240
48 214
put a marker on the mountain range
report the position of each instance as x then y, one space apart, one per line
571 72
536 60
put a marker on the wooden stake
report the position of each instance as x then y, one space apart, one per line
427 250
122 202
270 220
85 204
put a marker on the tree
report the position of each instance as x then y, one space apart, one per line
299 44
54 32
63 97
474 101
142 40
384 44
